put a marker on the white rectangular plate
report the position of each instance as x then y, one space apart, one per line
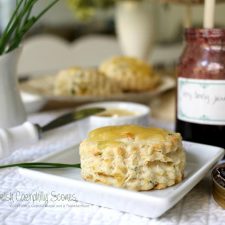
200 159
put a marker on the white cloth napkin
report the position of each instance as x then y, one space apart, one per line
196 208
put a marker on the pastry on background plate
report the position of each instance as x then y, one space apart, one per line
84 82
133 157
132 74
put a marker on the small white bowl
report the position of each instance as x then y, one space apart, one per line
33 103
141 116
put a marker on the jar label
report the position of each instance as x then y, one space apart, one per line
201 101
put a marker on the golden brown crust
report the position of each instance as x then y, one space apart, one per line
131 73
133 157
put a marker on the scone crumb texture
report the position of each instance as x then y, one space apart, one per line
133 157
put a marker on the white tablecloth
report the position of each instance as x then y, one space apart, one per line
196 208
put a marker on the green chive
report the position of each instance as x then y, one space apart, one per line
20 23
41 165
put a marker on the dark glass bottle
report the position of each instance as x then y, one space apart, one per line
201 87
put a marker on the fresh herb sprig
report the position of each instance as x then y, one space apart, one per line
41 165
20 23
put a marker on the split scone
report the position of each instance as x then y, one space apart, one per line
133 74
81 82
133 157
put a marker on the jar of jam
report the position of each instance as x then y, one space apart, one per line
201 87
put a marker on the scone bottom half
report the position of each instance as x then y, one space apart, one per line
133 157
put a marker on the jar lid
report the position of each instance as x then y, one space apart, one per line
189 1
205 36
218 189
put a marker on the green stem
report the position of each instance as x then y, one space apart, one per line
41 165
16 42
28 5
20 23
13 30
28 13
18 5
5 33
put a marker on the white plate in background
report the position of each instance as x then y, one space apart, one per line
43 86
200 159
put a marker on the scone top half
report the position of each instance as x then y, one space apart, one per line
133 157
131 73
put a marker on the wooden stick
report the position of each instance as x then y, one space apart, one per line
188 15
209 11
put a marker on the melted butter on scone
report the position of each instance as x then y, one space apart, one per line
117 133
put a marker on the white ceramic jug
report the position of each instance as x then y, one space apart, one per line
12 111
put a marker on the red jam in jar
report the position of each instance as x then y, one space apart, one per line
201 87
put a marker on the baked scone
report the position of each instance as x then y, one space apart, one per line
133 74
133 157
81 82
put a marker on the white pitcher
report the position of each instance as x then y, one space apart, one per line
12 111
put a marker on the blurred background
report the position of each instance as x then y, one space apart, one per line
152 32
62 21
